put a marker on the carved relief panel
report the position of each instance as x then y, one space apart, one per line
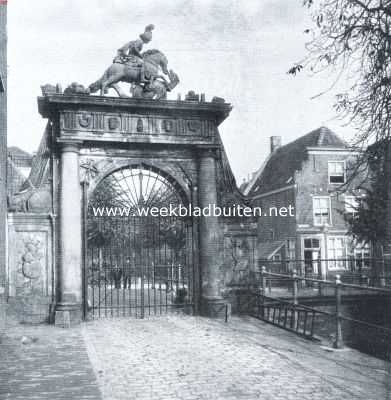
125 124
29 257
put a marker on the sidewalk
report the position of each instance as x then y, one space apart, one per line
52 363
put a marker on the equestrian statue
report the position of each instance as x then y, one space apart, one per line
141 70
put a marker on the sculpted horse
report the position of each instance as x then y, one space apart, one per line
154 60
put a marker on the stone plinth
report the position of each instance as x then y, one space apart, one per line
30 266
216 307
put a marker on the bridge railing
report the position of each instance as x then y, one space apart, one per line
363 271
331 313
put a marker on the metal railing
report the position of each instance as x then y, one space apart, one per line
284 308
363 271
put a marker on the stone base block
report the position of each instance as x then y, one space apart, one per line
66 318
215 307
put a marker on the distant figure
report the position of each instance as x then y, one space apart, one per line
127 273
116 275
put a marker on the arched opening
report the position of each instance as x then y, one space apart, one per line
139 257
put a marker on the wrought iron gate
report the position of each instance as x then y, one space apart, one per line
138 262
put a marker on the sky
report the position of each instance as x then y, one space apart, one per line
236 49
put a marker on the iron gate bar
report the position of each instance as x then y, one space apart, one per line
134 267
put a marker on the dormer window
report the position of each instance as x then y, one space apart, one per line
336 172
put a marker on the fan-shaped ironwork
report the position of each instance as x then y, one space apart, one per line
137 187
136 263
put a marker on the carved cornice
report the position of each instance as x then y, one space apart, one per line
53 103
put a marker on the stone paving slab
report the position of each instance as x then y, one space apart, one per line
193 358
52 364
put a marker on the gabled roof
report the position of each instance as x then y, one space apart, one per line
255 177
19 156
279 168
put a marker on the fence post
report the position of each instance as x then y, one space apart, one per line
270 282
338 343
295 299
382 280
320 277
263 290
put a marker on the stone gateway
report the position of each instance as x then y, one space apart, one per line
133 153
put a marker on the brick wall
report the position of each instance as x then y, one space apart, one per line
312 181
272 227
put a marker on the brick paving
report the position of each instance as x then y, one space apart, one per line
52 364
193 358
182 358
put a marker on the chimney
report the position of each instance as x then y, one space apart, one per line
275 143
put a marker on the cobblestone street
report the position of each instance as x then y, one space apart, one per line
182 358
187 358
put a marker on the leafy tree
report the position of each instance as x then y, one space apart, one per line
352 38
368 223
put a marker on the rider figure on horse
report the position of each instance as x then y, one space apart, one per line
130 53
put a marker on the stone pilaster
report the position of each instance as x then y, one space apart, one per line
209 235
68 310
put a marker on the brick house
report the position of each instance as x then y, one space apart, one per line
307 174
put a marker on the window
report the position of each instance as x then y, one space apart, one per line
291 249
351 204
337 172
362 256
311 256
336 253
276 257
321 207
311 244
